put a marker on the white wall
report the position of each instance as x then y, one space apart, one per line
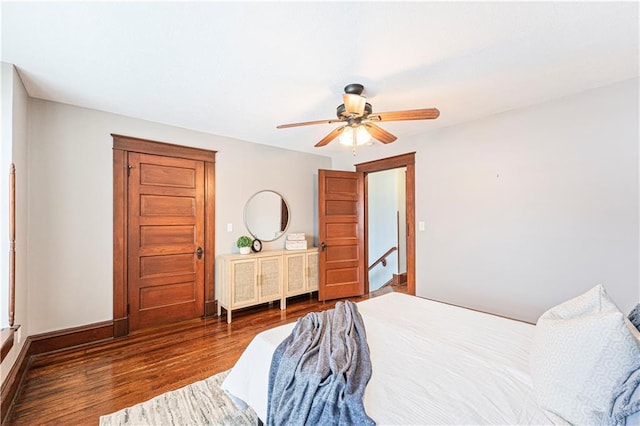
70 222
14 149
6 147
528 208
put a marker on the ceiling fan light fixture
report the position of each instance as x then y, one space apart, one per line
354 104
362 136
358 120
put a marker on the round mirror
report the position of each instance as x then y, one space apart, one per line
266 215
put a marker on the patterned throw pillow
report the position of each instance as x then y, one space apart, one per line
580 350
634 316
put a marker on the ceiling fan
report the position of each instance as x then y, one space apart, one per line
359 119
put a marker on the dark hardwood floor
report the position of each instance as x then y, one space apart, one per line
77 386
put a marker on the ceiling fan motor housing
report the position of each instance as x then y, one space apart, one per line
354 89
341 111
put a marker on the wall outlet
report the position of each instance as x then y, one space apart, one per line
421 225
229 227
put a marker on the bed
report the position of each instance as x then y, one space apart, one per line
432 363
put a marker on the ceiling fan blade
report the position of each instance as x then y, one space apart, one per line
331 136
411 114
308 123
379 133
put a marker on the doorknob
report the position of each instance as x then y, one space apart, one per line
323 246
199 252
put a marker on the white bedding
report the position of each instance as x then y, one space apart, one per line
432 364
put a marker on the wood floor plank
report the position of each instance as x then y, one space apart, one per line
77 386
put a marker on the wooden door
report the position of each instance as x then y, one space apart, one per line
166 240
341 260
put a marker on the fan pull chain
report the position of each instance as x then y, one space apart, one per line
355 141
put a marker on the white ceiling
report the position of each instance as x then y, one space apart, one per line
240 68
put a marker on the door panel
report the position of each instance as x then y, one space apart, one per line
156 174
166 205
341 253
153 297
345 231
295 274
158 235
270 277
166 227
341 276
312 267
342 207
166 265
341 228
243 276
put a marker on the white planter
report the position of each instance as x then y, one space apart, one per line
245 250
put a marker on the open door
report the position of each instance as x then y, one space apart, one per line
341 260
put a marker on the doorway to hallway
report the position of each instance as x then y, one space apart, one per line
387 224
404 224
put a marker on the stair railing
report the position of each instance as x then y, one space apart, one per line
383 259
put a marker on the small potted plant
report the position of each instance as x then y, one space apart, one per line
244 244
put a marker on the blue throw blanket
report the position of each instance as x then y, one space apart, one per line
319 372
624 406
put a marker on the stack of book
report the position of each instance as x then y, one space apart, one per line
296 241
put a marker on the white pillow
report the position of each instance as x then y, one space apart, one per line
581 348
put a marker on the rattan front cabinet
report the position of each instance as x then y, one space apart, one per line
300 272
247 280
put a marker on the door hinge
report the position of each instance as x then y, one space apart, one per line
128 310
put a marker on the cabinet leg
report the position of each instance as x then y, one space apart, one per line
228 316
283 303
219 309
